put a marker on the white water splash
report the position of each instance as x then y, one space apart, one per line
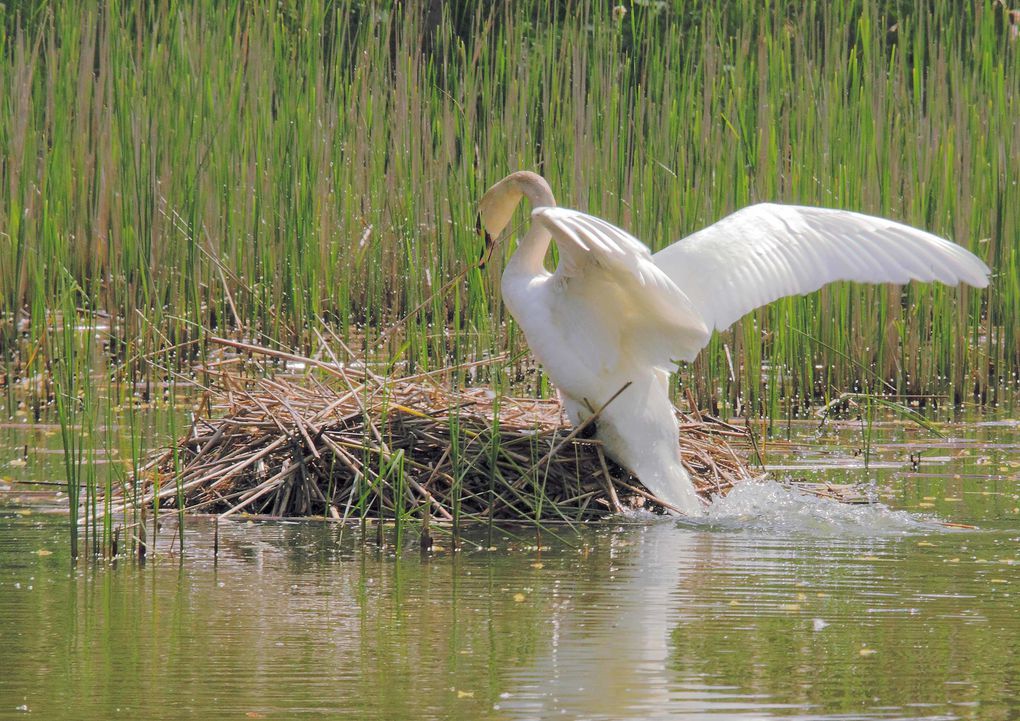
767 506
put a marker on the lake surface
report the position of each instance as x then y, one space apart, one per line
777 606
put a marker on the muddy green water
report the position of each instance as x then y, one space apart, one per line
776 606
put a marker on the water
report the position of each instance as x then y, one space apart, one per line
776 606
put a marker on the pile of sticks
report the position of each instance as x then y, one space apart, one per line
338 440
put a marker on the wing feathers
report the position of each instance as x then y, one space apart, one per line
768 251
750 258
592 250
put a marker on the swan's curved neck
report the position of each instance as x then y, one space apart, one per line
530 256
529 259
534 187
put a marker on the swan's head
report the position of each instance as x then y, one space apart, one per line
497 206
494 212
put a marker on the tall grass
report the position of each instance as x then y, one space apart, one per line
76 406
254 165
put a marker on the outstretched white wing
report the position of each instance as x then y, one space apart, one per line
612 272
767 251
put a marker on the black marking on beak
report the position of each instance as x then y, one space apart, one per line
489 244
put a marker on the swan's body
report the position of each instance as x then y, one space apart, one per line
612 313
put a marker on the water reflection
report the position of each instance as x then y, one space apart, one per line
776 606
625 622
749 626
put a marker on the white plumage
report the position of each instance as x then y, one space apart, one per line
768 251
612 313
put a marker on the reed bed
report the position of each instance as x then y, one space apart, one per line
347 442
260 169
247 165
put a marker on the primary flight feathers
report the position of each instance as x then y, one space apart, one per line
759 254
767 251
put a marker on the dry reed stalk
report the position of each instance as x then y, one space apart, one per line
374 446
369 445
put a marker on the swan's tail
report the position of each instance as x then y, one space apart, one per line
639 431
666 478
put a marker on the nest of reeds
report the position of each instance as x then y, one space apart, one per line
349 443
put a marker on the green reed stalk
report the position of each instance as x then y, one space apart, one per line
176 464
69 351
327 158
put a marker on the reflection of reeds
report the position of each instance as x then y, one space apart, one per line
402 448
325 161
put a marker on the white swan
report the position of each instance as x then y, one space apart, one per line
612 313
